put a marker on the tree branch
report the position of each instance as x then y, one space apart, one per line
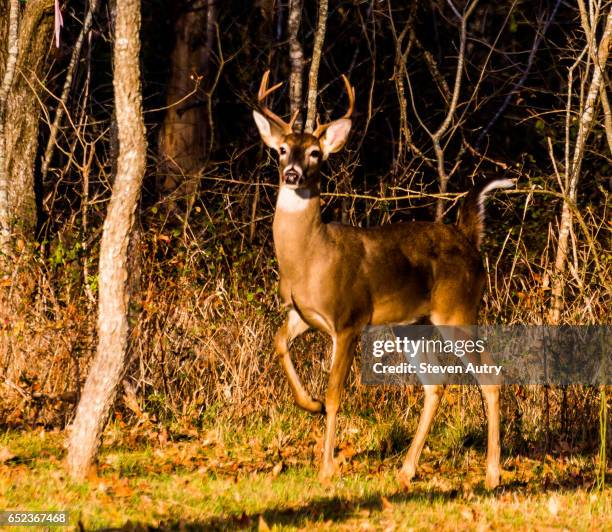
313 77
59 111
437 135
532 53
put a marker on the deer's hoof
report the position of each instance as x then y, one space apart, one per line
405 477
492 478
326 473
320 407
314 406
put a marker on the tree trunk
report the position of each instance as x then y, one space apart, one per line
106 369
296 58
185 139
29 38
11 36
313 75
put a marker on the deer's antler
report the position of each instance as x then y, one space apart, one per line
351 96
264 92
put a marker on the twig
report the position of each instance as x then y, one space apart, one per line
437 135
532 53
59 112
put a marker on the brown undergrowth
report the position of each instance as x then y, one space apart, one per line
204 311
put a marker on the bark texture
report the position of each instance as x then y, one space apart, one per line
313 75
20 96
185 136
11 37
108 364
296 58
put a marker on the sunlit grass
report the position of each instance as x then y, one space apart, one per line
266 474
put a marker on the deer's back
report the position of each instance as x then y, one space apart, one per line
382 274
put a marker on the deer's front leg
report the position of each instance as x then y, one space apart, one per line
491 394
290 329
342 357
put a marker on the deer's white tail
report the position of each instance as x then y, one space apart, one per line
471 217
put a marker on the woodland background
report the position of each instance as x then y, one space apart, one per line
203 305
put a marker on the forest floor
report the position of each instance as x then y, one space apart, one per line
264 477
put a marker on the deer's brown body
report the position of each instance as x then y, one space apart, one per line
338 278
380 275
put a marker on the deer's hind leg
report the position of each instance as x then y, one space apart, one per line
463 316
292 327
433 394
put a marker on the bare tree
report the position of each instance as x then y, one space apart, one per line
452 106
597 56
108 364
313 76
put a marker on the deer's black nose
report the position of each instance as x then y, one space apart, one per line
292 177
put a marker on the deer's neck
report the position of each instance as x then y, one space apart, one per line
297 227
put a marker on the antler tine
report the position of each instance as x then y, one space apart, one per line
263 93
351 97
293 118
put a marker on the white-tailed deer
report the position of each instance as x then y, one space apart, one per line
338 278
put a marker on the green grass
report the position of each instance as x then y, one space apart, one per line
263 474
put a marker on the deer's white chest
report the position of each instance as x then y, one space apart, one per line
290 201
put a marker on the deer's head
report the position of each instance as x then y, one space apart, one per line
301 154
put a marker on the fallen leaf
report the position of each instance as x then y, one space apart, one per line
277 469
6 455
262 526
426 468
346 453
122 489
386 503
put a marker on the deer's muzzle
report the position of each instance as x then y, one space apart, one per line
292 176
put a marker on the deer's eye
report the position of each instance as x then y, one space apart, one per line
282 150
315 154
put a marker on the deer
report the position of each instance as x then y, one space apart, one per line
338 278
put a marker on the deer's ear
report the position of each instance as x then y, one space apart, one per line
270 133
335 136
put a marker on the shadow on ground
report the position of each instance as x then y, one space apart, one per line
323 509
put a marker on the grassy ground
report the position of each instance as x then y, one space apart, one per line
263 476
